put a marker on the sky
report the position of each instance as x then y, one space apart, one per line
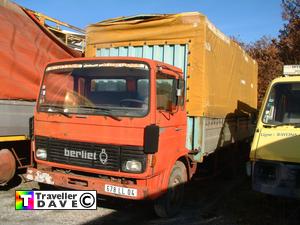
247 20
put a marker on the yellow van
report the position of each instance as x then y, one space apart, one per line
275 153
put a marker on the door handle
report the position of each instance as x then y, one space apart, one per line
178 129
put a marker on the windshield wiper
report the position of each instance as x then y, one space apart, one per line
49 106
268 125
296 125
106 111
94 107
63 113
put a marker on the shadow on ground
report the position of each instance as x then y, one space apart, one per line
16 181
208 201
216 201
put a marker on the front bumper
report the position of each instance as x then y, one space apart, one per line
276 178
87 183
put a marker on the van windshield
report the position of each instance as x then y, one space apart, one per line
104 88
283 104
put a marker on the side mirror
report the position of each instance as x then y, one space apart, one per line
180 93
151 139
254 117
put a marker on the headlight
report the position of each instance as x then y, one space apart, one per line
41 153
132 166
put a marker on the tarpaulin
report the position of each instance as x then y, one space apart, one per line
25 48
220 76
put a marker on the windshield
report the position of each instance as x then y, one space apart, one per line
283 104
104 88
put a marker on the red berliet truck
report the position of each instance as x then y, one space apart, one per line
134 119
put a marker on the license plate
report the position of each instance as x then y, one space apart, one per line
120 190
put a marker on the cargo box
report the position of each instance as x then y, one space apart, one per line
219 73
221 79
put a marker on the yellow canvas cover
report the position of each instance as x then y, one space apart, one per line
220 75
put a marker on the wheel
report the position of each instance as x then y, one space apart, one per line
170 203
7 166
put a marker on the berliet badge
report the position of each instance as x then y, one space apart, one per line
103 156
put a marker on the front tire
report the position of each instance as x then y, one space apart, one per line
170 203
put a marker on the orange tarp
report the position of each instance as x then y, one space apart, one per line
25 48
220 75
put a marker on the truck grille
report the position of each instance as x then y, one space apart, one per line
91 155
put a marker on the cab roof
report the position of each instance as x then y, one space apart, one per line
162 66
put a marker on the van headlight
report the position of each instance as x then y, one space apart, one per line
134 166
248 168
41 154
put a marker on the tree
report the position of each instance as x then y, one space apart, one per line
290 9
272 54
289 38
266 53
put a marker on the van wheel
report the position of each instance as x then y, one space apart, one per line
170 203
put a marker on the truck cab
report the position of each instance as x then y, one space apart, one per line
275 155
112 124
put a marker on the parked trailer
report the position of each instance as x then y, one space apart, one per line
26 47
135 127
14 136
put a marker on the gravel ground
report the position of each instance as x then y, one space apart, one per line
215 201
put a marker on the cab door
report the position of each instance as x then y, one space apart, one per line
171 118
